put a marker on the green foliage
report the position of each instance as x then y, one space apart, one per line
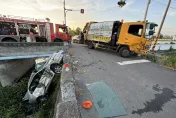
10 100
161 36
170 52
152 57
74 32
171 61
78 30
165 58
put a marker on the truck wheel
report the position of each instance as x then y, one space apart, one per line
124 52
10 40
56 68
90 45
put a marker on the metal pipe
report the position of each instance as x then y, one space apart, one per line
145 16
162 22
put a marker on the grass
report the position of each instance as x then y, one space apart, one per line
170 52
10 100
164 58
169 61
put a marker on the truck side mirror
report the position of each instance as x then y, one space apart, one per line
151 32
153 26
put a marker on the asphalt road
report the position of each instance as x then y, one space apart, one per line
146 90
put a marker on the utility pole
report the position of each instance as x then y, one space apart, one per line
162 22
145 16
66 10
64 13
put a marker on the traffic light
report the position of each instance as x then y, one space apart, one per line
121 3
82 11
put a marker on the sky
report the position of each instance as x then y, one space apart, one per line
95 10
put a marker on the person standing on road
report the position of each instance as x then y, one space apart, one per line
32 35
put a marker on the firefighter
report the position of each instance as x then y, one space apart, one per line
32 35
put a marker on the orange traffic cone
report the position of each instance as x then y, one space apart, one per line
87 104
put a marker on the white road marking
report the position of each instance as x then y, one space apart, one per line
133 62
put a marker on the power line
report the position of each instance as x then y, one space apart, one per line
30 5
60 1
84 3
164 4
34 7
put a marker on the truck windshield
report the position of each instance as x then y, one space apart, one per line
63 29
147 31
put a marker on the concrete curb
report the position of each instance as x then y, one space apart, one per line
66 106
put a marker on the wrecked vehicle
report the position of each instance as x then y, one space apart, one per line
41 79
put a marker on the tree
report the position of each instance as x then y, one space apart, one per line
161 36
78 30
74 32
71 32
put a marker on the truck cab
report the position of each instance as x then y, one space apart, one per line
137 36
62 33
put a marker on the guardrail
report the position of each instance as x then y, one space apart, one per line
20 50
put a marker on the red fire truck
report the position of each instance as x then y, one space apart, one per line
16 29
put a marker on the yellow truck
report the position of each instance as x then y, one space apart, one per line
125 38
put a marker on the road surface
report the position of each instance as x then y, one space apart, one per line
145 89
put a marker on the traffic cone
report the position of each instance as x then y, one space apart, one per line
67 66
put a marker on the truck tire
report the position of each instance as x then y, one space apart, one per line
124 52
90 45
9 40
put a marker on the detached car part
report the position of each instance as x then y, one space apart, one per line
40 80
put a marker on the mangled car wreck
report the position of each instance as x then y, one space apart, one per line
41 79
